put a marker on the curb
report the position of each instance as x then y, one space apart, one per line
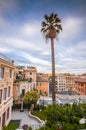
37 118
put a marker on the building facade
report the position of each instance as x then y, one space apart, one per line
60 83
25 81
80 84
6 91
70 81
42 84
30 74
20 88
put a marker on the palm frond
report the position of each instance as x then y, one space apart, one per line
57 20
44 24
52 15
57 30
51 26
46 18
58 26
55 16
42 29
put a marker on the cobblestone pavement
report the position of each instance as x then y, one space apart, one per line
25 119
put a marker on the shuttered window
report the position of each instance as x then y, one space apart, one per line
1 72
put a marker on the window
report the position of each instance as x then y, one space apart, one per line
81 84
1 72
9 91
3 119
30 79
5 94
8 113
23 92
30 73
10 73
0 96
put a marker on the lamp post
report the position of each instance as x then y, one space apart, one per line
79 100
22 109
43 99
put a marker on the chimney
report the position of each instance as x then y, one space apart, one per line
13 62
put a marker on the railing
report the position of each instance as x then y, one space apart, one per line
37 118
2 56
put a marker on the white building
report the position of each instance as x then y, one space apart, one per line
60 82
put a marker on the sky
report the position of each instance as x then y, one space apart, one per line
21 39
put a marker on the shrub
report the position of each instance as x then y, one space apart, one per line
30 128
4 127
25 127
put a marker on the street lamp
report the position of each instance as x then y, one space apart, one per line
43 99
79 99
22 109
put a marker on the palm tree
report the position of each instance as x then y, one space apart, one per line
51 28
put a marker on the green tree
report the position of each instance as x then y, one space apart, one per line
62 115
30 97
51 28
83 106
77 110
51 114
30 128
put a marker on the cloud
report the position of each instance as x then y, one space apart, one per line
77 49
81 48
72 26
23 41
72 58
16 43
46 53
30 29
4 50
26 59
72 64
36 60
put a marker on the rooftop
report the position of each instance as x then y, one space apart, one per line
42 79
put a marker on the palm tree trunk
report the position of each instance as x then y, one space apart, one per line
53 72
